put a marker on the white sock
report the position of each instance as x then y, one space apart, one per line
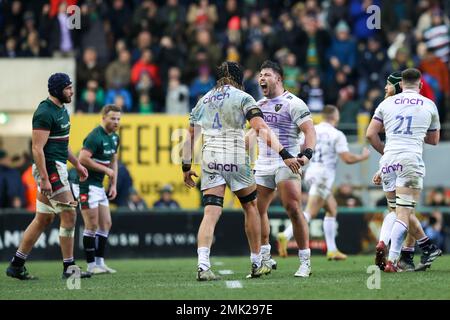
329 228
304 255
307 216
265 251
256 258
203 258
91 265
386 227
397 236
99 261
289 232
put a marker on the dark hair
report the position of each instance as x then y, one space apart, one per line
328 111
110 107
275 66
230 73
411 76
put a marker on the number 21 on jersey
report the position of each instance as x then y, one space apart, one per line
400 129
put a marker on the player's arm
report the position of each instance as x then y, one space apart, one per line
433 134
351 158
308 130
85 159
250 136
372 135
187 156
113 180
432 137
39 138
81 170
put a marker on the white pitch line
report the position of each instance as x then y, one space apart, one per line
233 284
224 272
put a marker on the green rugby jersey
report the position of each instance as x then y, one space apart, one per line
103 148
49 117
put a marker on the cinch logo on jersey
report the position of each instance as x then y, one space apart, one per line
223 167
270 118
392 168
216 97
409 101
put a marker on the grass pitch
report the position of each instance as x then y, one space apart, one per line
174 279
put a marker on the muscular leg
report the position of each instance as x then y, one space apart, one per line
206 230
290 193
252 220
329 228
102 232
404 210
90 218
67 226
264 199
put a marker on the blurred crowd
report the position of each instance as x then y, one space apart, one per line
160 56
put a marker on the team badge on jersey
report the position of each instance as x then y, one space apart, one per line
278 107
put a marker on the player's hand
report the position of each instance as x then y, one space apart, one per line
109 172
376 180
303 161
293 164
46 187
112 192
82 172
365 153
187 177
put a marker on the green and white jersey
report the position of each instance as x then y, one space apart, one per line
49 117
103 146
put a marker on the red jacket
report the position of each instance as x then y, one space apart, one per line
140 67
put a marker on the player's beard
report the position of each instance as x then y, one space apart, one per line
66 99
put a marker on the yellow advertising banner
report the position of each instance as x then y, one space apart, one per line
149 149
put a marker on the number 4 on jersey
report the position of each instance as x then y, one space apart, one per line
216 122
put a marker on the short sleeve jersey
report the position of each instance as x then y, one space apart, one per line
283 115
49 117
103 147
330 143
407 117
221 114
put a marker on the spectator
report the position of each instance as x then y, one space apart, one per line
135 201
437 36
118 72
165 201
177 99
313 94
30 189
124 185
201 85
342 52
146 65
338 11
89 69
202 15
433 228
11 188
89 104
145 104
256 56
292 74
346 198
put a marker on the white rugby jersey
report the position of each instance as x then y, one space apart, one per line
407 117
330 143
221 115
283 114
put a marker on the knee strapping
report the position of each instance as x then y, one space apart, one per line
248 198
392 203
70 233
405 200
212 200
